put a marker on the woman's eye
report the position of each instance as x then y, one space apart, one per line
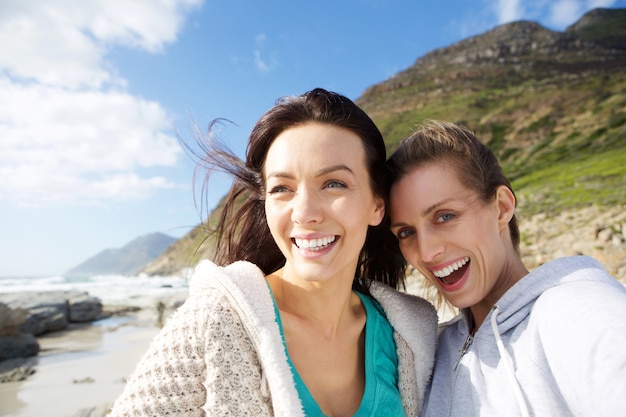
404 233
278 189
445 217
335 184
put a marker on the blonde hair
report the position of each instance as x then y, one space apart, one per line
475 163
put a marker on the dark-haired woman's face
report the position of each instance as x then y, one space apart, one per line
319 202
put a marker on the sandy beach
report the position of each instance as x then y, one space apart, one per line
80 368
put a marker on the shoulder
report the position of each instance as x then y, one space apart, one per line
414 318
414 321
209 275
583 283
577 327
581 309
203 309
243 286
593 302
397 303
218 294
568 270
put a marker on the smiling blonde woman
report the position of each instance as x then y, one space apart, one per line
550 342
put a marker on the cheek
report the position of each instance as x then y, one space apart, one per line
487 231
351 214
278 218
272 217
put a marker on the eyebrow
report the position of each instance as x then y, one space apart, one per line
435 206
321 172
424 212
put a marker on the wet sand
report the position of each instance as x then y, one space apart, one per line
79 368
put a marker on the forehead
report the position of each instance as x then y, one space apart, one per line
426 185
431 176
315 145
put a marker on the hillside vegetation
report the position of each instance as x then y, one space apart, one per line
552 105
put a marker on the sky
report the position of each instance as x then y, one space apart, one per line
94 93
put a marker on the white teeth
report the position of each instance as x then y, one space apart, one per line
315 244
442 273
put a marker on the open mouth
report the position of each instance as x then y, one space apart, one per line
314 244
453 273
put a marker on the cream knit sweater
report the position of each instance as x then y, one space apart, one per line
221 353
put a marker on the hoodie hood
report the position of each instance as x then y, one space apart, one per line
517 303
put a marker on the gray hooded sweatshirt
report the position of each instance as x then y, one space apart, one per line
553 345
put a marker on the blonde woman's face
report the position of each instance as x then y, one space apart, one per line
452 237
319 202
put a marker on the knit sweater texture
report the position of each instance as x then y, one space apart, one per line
221 352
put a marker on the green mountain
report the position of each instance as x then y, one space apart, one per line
552 105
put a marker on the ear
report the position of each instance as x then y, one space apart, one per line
378 213
506 206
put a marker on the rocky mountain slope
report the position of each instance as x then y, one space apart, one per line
551 104
128 260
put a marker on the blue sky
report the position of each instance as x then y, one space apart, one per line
92 94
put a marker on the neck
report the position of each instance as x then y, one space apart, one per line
509 276
324 305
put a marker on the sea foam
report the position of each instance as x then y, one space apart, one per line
138 290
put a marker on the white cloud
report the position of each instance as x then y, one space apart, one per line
69 131
36 48
557 14
54 142
565 12
146 24
261 64
508 10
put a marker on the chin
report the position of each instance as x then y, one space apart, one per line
311 274
460 302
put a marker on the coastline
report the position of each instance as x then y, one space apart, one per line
82 367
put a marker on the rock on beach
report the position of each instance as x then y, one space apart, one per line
53 310
25 315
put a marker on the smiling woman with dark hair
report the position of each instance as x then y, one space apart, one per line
300 314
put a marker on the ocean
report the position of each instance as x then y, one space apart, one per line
139 290
86 366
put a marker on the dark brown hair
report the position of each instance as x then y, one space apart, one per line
475 163
242 232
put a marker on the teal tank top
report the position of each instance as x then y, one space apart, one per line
381 395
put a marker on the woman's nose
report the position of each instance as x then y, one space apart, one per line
306 207
429 247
